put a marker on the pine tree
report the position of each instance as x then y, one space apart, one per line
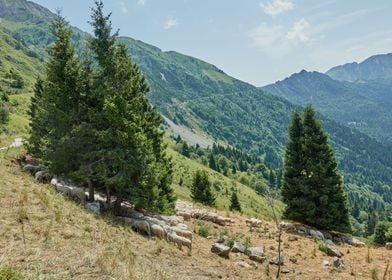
185 150
37 128
293 190
234 202
313 188
201 189
211 162
135 163
54 108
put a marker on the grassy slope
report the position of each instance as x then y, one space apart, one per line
63 241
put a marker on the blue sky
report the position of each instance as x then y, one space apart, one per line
258 41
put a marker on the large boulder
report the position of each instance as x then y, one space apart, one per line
388 245
333 252
243 264
93 207
221 250
255 254
238 247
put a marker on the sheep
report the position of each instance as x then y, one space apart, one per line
181 232
43 176
66 190
32 169
185 215
179 240
158 231
141 226
253 222
77 193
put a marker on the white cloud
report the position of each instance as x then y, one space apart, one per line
123 8
276 7
170 23
276 40
298 31
141 3
265 36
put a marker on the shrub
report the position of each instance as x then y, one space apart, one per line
382 233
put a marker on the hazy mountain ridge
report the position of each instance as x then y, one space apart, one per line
374 68
348 103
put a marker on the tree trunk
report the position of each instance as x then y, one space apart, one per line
108 198
117 205
91 197
279 253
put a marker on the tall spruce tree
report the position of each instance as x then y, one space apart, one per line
293 190
136 166
201 189
54 108
234 202
313 188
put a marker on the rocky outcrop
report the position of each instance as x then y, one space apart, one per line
238 247
221 250
255 254
333 252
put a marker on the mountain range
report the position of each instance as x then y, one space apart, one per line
204 100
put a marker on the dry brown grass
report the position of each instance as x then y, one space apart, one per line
65 242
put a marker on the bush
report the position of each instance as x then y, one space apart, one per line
382 233
204 230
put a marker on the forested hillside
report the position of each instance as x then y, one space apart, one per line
347 103
202 97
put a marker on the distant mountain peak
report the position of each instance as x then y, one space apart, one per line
376 67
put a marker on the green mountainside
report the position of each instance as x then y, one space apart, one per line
350 104
203 98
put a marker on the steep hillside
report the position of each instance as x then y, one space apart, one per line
46 236
349 104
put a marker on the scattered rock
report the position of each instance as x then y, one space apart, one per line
285 270
338 263
221 250
333 252
276 260
238 247
255 254
243 264
93 207
388 246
